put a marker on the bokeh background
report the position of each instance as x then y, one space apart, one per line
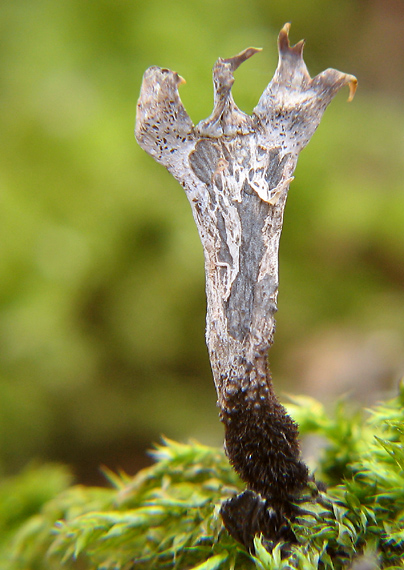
102 304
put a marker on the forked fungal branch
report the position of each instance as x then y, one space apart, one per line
236 170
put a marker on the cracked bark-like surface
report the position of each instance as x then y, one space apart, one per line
236 170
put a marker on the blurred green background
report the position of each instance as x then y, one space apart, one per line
102 303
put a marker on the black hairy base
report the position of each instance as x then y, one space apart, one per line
262 445
248 514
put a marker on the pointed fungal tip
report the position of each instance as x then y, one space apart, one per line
284 44
241 57
286 28
283 38
353 84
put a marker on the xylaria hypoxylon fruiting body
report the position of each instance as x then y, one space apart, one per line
236 170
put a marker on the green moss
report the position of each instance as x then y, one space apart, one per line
167 516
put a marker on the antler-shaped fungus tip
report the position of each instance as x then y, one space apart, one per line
241 57
284 46
291 70
291 60
353 84
226 118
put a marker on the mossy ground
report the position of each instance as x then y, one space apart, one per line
167 516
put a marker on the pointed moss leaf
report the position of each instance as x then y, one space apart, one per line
344 535
307 560
212 563
396 538
339 512
83 539
263 559
324 532
274 560
137 518
395 450
314 508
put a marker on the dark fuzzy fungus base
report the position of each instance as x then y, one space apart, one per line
248 515
236 170
261 442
